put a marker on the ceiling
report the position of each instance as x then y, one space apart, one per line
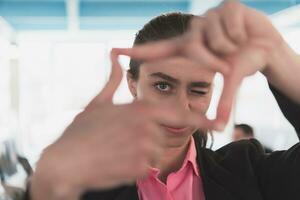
103 14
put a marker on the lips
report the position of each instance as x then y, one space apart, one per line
176 130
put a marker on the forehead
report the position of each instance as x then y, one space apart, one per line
178 68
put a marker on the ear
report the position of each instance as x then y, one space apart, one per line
132 84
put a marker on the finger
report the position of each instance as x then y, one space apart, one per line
180 119
216 36
188 45
207 59
246 62
166 115
152 50
231 85
195 48
180 62
111 86
195 30
251 58
154 145
234 22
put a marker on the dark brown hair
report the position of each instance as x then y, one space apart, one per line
164 27
247 129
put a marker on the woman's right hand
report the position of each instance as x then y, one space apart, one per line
105 146
236 41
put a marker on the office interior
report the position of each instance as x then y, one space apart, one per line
54 58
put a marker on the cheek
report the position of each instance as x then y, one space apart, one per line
201 105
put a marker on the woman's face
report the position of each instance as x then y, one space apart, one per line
187 88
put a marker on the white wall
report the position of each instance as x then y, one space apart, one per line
59 74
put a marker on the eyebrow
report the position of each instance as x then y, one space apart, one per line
165 76
201 84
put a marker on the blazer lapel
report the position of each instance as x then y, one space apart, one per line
212 183
220 182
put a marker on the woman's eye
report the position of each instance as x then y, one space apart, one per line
164 87
198 92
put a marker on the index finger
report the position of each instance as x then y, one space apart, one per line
230 88
111 86
152 50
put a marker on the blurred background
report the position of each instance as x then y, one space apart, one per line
54 59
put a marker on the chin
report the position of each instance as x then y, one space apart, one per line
178 141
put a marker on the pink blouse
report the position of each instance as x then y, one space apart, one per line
185 184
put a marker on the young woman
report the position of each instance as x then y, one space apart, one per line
187 170
232 39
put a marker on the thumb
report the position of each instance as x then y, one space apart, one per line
113 83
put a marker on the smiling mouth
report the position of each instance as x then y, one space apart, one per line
176 130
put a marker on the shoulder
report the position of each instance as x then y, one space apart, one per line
249 146
244 152
242 147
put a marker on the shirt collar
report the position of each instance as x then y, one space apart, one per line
191 157
190 160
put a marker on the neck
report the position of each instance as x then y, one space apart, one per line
172 160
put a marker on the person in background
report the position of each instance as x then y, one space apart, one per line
242 131
245 131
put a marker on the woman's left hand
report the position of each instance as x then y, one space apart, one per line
246 40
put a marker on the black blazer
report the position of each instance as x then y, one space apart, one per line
240 170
